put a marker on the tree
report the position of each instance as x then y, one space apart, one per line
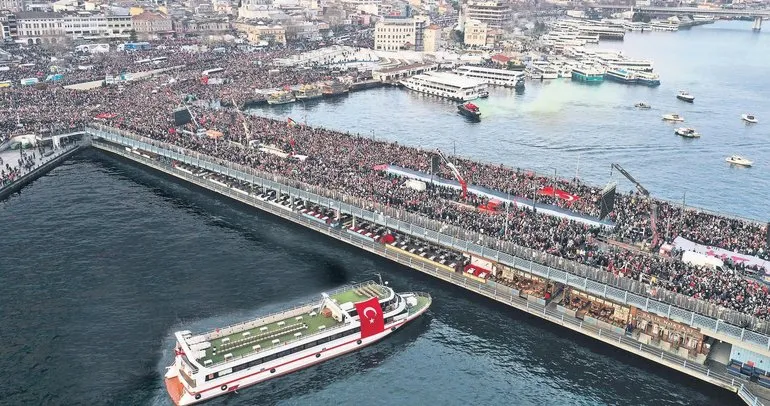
640 18
132 36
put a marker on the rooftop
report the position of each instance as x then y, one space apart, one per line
279 329
266 336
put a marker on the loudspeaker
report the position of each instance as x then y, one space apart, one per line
607 202
181 116
435 163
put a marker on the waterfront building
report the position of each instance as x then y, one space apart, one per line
13 6
475 33
97 26
395 33
39 27
257 33
493 13
151 25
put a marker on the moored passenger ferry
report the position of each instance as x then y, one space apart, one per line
447 85
491 76
588 75
224 360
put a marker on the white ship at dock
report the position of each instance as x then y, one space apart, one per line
217 362
447 85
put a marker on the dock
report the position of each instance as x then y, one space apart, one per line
44 163
296 199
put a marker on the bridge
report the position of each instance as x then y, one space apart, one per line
758 15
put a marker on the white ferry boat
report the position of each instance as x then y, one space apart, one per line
224 360
499 77
542 71
447 85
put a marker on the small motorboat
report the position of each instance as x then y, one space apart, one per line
642 105
738 160
749 118
469 110
483 94
672 117
686 97
687 132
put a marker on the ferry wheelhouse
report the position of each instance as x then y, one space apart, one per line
647 79
620 75
224 360
447 85
588 75
282 97
542 71
499 77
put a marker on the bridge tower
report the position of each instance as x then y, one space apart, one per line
757 26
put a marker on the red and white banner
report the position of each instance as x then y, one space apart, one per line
370 313
550 191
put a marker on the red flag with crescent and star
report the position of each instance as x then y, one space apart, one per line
370 313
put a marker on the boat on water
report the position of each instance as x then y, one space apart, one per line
647 79
686 97
739 160
282 97
308 92
227 359
620 75
483 94
749 118
469 110
520 84
448 85
687 132
588 75
672 117
643 106
335 88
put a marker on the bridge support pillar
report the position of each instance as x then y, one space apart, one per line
757 24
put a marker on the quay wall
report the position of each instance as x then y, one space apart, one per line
48 164
499 293
597 283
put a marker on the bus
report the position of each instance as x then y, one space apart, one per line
5 83
135 46
212 71
159 60
144 61
93 48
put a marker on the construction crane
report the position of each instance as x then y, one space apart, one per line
628 176
456 172
644 192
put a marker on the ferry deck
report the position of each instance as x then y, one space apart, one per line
263 337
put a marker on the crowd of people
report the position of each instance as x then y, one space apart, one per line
345 163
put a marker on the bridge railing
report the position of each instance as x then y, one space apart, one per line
495 291
694 312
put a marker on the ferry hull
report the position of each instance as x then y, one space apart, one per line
613 78
250 377
587 78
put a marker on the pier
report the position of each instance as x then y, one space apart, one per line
167 158
55 153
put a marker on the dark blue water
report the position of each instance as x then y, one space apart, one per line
576 128
102 261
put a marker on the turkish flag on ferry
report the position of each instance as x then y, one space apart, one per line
370 313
